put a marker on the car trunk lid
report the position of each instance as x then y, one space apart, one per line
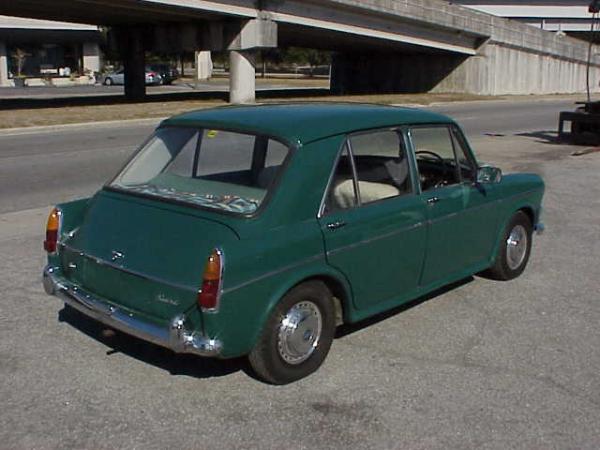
144 255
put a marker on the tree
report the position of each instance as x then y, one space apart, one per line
306 56
20 55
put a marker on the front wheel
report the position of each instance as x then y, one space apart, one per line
514 250
297 335
108 82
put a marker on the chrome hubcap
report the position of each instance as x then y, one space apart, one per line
516 247
299 332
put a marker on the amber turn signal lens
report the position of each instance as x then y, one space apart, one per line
52 231
212 271
208 297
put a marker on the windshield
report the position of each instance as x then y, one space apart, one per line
210 168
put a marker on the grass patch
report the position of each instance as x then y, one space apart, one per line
98 113
119 110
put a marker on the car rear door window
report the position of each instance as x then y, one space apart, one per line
372 166
382 167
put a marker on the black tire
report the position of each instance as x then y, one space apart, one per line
505 267
108 81
266 358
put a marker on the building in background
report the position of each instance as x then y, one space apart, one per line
33 49
569 16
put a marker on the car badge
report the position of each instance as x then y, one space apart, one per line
116 255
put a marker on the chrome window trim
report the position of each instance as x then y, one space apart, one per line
354 173
321 211
461 140
408 142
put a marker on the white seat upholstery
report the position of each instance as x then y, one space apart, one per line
343 193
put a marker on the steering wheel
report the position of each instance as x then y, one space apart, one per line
435 156
430 153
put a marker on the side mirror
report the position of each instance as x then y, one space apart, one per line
489 175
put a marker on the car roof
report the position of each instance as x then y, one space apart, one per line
305 122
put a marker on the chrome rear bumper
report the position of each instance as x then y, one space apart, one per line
175 337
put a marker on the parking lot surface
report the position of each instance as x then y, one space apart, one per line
484 364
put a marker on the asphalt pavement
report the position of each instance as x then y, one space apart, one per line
62 163
492 365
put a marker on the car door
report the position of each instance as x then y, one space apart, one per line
119 77
481 218
372 220
455 208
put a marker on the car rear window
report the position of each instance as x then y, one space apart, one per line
216 169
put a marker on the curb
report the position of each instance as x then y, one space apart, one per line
72 126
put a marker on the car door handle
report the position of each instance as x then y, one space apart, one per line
433 200
335 225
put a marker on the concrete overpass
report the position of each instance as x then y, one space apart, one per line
380 45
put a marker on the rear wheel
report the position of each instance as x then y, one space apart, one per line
297 335
108 82
514 250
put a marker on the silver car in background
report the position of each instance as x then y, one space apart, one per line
118 77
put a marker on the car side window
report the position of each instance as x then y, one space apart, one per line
382 170
436 161
215 143
466 164
275 155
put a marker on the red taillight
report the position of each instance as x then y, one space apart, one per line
208 296
52 231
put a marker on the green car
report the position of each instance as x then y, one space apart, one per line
257 230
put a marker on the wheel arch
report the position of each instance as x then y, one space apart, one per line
524 206
267 293
341 297
335 281
529 212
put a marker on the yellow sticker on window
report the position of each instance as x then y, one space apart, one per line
211 133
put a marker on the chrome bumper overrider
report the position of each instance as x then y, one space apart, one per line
175 337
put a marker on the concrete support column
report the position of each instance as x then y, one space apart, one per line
3 66
134 64
91 56
204 65
242 72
